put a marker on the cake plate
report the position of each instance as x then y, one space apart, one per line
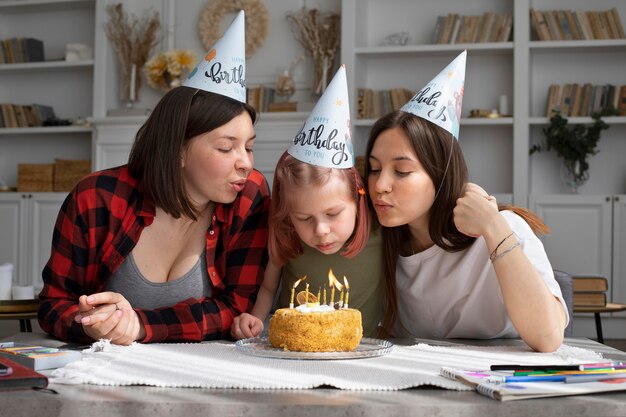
260 346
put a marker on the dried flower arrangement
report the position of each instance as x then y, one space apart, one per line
133 39
165 70
318 33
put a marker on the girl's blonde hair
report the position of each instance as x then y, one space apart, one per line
291 173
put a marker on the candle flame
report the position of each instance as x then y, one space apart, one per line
338 285
331 278
345 281
295 284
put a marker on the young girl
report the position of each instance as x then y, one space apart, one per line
319 220
455 267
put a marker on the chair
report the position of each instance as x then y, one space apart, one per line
566 283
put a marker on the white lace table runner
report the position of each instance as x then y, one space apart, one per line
221 365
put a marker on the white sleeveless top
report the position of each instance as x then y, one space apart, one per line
457 294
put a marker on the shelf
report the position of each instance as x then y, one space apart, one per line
43 5
46 65
489 48
44 129
601 45
614 120
465 121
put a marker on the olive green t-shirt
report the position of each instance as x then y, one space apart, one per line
364 273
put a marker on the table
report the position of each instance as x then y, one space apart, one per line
100 401
609 308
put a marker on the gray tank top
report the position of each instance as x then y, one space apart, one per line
147 295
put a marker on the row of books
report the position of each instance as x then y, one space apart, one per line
17 115
590 291
573 100
490 27
372 104
16 50
558 25
262 99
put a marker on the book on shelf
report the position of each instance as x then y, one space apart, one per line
538 21
21 377
589 299
553 99
483 382
590 284
38 357
621 103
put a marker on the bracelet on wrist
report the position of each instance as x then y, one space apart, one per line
500 255
493 254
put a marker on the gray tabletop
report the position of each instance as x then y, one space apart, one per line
96 401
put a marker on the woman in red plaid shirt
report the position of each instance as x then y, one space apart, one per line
173 245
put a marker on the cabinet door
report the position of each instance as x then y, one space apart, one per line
11 233
580 239
42 215
619 249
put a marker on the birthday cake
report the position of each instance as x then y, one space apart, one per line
318 328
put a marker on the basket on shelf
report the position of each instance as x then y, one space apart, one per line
35 177
68 172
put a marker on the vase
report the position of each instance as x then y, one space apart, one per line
572 175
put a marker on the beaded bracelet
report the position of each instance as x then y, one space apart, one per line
500 255
493 255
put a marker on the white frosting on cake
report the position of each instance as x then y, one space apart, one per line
303 308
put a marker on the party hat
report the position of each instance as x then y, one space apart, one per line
440 100
223 69
325 138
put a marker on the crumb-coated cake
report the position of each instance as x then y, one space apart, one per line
316 329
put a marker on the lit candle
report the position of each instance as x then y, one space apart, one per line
340 288
293 290
307 294
331 284
345 282
133 75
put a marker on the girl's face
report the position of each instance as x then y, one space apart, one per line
401 190
217 163
324 216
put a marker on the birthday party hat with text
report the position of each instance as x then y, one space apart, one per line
223 69
325 138
441 99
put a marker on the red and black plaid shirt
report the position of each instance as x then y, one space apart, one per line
98 226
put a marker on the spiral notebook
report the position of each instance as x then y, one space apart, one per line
508 391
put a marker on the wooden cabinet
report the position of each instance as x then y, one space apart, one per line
27 223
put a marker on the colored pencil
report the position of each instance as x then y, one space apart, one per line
592 378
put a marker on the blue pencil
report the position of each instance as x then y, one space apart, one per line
544 378
528 378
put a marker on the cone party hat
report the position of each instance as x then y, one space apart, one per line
325 138
223 69
441 99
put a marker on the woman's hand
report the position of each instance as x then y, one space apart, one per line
245 326
108 315
475 211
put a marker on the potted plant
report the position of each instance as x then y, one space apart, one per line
574 144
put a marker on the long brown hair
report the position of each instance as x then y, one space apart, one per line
283 241
442 158
154 159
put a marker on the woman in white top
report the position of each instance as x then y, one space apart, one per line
455 267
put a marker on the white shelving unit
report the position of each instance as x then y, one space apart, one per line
66 86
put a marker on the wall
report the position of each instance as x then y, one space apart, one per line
180 30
